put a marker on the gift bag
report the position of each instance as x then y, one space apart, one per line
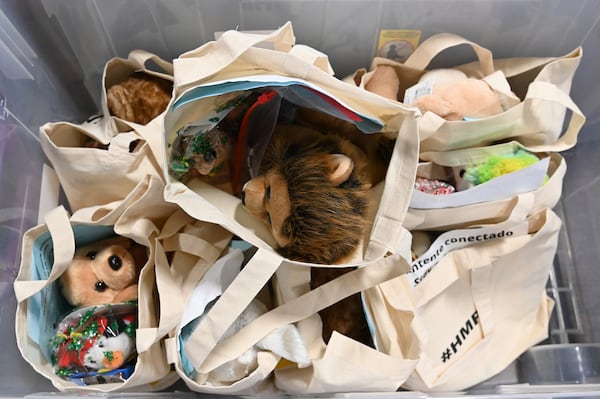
472 302
209 83
69 353
533 94
133 90
209 80
94 172
250 371
445 198
223 337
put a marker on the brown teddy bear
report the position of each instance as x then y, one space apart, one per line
139 98
104 272
312 192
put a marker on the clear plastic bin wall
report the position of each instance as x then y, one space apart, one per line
52 53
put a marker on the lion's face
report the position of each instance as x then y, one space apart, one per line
310 196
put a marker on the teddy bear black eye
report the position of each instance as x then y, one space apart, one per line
268 219
91 255
115 262
210 155
100 286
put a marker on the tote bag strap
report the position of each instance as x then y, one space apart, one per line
214 56
193 256
388 233
238 295
312 56
139 58
61 231
545 91
302 307
433 46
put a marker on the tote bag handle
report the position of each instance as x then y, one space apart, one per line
425 53
139 58
59 227
212 57
203 348
544 91
388 232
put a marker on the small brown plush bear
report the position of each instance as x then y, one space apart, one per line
139 98
104 272
312 192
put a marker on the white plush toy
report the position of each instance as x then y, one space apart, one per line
284 341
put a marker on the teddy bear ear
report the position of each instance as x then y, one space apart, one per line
340 167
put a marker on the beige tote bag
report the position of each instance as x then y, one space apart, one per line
39 299
206 350
236 55
542 85
93 172
471 304
154 95
490 202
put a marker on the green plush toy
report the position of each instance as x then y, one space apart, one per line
496 166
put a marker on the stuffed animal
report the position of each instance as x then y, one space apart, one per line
220 156
139 98
312 192
494 166
448 93
455 97
95 343
103 272
203 155
284 341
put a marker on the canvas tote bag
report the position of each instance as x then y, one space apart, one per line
481 302
94 172
118 69
47 251
542 85
365 369
495 200
237 55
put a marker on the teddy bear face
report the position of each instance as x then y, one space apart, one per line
105 272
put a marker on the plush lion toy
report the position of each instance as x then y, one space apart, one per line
312 192
104 272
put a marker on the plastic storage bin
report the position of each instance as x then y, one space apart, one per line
51 57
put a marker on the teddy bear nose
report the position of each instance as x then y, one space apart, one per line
114 262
